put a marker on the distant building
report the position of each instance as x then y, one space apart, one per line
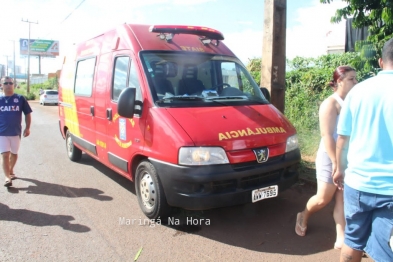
352 35
342 37
54 75
18 69
38 78
335 49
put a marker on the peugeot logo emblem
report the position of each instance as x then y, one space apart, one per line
262 154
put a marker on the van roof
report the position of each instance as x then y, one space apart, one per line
139 37
179 38
207 33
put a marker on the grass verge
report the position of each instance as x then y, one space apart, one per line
309 142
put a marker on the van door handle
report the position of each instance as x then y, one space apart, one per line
92 110
109 114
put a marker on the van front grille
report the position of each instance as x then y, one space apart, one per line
260 180
224 186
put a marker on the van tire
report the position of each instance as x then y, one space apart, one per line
74 153
150 193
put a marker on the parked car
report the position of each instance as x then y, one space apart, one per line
49 97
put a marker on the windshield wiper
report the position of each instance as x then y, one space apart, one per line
226 97
180 98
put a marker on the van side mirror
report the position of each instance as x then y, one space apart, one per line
265 93
126 102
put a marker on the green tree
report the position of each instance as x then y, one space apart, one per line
254 67
377 15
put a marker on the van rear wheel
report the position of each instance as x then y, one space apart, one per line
150 193
74 153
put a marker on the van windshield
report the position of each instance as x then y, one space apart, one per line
199 79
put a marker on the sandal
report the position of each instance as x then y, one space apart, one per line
301 231
8 183
13 176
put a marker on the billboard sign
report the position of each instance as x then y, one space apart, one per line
39 47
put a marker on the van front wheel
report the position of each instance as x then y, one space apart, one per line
151 196
74 153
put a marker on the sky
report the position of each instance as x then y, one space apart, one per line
309 30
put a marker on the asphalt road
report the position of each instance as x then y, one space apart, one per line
58 210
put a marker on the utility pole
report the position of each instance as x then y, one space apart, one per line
39 64
28 56
6 65
14 62
273 53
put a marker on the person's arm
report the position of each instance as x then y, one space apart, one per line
341 157
327 124
26 132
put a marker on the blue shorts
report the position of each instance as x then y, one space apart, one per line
369 223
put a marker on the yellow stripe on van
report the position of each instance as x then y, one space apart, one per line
70 113
67 84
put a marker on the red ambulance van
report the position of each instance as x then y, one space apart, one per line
172 109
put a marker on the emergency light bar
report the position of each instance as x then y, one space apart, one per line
206 32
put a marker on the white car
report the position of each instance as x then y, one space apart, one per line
49 97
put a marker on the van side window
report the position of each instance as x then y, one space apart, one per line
245 82
120 76
122 63
229 75
84 77
134 82
235 77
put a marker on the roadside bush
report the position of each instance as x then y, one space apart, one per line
30 96
22 91
35 88
307 86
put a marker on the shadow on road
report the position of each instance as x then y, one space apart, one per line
265 226
34 218
44 188
116 177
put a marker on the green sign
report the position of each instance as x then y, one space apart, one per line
39 47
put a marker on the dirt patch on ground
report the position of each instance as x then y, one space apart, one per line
308 158
307 169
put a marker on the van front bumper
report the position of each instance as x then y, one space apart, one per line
206 187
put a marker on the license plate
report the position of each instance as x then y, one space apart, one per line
263 193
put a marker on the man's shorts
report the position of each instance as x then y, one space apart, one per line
369 223
9 144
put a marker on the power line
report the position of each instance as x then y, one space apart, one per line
68 15
72 11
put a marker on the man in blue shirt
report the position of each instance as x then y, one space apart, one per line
364 152
11 107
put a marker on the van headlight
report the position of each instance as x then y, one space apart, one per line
292 143
197 156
